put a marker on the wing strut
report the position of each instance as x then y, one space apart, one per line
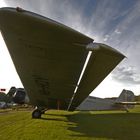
85 65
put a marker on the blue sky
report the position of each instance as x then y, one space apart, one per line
113 22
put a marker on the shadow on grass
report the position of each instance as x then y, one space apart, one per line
110 125
59 115
115 126
54 119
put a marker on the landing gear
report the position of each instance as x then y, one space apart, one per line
38 112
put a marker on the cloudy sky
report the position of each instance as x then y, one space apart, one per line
113 22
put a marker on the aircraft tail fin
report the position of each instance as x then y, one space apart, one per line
126 96
126 99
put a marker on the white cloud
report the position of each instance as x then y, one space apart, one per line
127 75
106 38
2 3
117 31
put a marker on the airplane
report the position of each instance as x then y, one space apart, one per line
49 58
124 102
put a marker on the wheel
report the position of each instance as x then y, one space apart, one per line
36 114
43 112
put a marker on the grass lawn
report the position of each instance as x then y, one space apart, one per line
63 125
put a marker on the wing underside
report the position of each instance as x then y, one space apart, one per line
45 53
49 58
102 61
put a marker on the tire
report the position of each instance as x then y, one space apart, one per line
36 114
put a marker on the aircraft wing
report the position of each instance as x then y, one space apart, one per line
102 61
46 54
49 58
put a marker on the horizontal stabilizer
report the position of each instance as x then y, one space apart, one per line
127 103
